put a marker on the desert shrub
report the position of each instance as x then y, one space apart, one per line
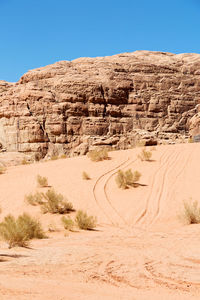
140 143
25 162
145 155
98 154
55 203
120 180
191 212
2 170
42 181
31 226
68 223
34 199
85 176
54 157
127 178
84 221
18 232
190 140
63 156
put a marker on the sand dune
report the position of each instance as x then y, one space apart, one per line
141 249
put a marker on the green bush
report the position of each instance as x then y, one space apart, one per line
42 181
18 232
68 223
98 154
85 176
84 221
127 178
55 203
191 212
145 155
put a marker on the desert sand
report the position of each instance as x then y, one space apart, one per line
140 249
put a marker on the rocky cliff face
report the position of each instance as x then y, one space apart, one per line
70 106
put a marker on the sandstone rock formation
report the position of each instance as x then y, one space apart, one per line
194 124
70 106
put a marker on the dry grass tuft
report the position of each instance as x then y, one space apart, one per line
85 176
190 140
68 223
25 162
54 157
98 154
145 155
18 232
42 181
140 143
191 214
34 199
55 203
84 221
50 201
127 178
2 170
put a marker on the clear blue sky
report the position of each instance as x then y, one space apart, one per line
35 33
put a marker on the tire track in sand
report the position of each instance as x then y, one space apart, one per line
107 197
166 156
166 170
106 194
96 197
171 192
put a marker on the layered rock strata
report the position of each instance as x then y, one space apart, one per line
70 106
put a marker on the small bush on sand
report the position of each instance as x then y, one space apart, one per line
68 223
145 155
2 170
191 214
31 226
18 232
42 181
85 176
55 203
54 157
25 162
190 140
140 143
127 178
98 154
84 221
63 156
34 199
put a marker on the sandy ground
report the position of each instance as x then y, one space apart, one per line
140 250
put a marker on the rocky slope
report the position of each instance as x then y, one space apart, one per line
69 107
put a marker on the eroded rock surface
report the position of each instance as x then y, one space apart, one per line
68 107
